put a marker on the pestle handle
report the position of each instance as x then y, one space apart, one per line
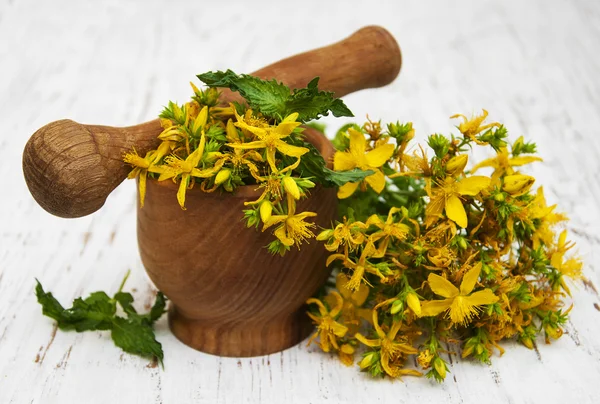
71 168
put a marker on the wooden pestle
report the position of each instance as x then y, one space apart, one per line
71 168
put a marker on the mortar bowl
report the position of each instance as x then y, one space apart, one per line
229 296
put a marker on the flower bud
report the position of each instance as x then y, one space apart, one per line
291 187
266 208
414 303
347 349
367 360
457 164
325 235
499 197
517 184
440 367
222 176
396 306
232 133
201 119
527 342
304 183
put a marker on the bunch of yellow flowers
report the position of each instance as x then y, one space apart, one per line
429 251
216 147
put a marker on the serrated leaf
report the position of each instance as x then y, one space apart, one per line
50 306
340 178
93 313
274 100
98 312
136 338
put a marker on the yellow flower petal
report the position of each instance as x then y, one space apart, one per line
358 143
414 303
281 234
431 308
470 279
380 155
142 187
182 188
338 329
285 128
289 150
368 342
343 161
347 190
441 286
258 144
520 161
376 181
485 296
456 211
472 185
435 207
492 162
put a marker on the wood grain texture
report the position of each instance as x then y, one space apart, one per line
533 65
71 168
229 295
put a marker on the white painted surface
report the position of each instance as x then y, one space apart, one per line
534 65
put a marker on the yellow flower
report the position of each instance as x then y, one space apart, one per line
346 354
328 329
187 169
441 257
570 267
240 159
357 156
446 197
141 167
424 359
503 164
463 304
538 209
359 267
270 138
418 166
387 230
473 126
348 234
352 310
293 229
391 350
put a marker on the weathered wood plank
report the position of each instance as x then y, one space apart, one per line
533 65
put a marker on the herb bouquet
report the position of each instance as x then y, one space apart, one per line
429 253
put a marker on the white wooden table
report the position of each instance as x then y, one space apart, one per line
534 65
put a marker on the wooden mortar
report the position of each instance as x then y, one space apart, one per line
229 295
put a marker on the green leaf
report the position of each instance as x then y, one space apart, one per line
50 306
126 301
93 313
313 165
133 334
340 178
274 100
136 338
158 309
